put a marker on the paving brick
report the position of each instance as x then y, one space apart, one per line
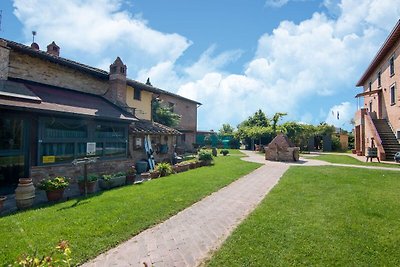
189 237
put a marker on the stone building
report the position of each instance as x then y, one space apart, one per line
377 122
182 106
53 110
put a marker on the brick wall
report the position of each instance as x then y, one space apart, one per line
73 172
30 68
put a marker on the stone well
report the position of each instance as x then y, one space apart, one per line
281 149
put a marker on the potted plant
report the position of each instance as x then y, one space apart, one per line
205 158
54 187
2 200
131 175
164 168
108 181
90 185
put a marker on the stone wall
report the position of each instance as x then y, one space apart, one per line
73 172
23 66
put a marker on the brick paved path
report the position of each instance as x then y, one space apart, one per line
189 237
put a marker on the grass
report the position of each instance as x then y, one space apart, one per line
321 216
96 224
345 159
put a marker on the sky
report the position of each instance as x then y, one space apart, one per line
302 57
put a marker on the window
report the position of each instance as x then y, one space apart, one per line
171 106
137 94
391 66
370 86
393 95
63 140
379 79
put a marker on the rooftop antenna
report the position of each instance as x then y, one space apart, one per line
33 36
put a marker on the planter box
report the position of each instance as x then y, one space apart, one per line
145 176
154 174
181 168
90 187
130 178
113 182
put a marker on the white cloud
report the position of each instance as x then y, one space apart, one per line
97 28
317 58
276 3
341 115
307 62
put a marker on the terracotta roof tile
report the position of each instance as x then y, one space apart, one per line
148 127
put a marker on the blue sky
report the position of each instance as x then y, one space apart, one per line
302 57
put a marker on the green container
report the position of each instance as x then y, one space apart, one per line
141 166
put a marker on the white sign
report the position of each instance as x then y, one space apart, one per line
91 148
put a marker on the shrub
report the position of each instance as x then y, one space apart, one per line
56 183
108 177
164 168
224 152
205 156
90 178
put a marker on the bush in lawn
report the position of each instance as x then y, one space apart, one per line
205 157
224 152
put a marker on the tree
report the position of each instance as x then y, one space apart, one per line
277 116
226 129
164 114
258 119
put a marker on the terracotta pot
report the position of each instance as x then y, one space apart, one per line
91 185
25 193
2 200
55 195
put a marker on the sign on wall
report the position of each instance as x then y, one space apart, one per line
49 159
90 148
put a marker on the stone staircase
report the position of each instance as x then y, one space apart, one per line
389 141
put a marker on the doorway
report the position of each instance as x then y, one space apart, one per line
13 152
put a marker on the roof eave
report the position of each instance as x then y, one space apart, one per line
389 42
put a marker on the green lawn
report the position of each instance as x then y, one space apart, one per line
345 159
98 223
321 216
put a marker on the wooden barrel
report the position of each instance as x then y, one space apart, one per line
25 193
372 152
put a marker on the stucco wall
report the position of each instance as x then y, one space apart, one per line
142 107
31 68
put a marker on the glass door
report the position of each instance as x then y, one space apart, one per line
13 154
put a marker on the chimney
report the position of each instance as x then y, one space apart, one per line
53 49
4 59
35 46
117 83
